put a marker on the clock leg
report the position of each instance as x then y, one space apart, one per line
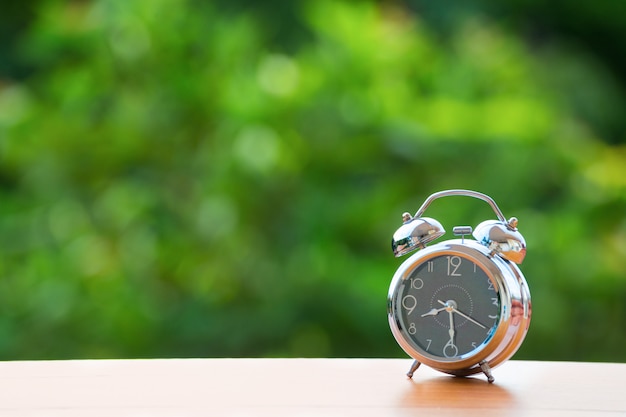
416 364
487 370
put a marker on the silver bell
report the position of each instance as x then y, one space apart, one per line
415 233
502 238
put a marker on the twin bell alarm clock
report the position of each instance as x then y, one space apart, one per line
460 306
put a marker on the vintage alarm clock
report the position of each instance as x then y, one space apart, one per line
461 306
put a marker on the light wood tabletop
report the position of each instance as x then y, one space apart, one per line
305 387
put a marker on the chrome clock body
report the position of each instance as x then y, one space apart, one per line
461 306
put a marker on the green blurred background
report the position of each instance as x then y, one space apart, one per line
182 178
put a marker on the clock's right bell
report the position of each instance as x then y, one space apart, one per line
502 238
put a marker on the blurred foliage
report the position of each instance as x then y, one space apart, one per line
177 182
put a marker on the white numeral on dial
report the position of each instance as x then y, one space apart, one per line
454 262
417 283
409 302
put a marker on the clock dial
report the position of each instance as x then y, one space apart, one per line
448 307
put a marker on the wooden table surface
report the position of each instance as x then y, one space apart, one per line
305 387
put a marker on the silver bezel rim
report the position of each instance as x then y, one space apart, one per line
503 342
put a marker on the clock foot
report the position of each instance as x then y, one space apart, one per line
484 366
416 364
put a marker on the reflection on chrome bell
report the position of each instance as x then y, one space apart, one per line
502 239
415 233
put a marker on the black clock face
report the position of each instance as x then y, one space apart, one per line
448 307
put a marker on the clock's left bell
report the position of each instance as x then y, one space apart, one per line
415 233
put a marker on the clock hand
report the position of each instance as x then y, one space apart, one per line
450 350
451 331
452 308
449 307
433 312
468 318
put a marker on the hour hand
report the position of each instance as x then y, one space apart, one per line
433 312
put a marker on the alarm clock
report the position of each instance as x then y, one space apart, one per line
461 306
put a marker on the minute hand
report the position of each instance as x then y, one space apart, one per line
460 313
